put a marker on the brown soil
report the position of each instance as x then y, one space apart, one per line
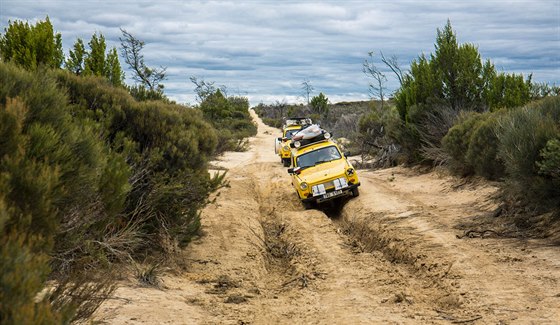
414 247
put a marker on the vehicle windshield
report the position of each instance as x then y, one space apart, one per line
290 133
318 156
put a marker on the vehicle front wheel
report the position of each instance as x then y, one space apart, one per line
355 192
286 162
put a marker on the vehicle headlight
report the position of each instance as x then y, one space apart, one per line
350 171
286 148
303 186
297 144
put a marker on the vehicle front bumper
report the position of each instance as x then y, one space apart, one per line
321 198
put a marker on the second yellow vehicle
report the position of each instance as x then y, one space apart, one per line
321 172
290 126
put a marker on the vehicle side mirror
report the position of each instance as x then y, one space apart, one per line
290 171
346 154
279 139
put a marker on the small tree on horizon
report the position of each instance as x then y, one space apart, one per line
131 48
319 104
378 87
307 89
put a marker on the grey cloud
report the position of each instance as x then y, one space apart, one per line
267 48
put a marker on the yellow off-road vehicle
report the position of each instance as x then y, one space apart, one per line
290 126
321 171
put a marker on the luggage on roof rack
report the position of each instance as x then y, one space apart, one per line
307 132
309 135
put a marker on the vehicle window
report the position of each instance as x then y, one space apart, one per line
318 156
290 133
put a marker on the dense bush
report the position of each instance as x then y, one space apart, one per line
525 136
423 137
52 170
230 116
482 153
90 176
457 142
550 163
167 145
23 272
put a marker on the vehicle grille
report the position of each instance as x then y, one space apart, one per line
321 188
328 184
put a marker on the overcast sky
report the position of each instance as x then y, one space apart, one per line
264 50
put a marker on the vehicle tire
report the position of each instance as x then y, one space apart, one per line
355 192
286 162
307 205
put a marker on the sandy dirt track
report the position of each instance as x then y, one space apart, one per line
413 248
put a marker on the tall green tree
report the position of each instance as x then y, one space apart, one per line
453 79
454 76
94 63
508 91
31 46
76 57
113 70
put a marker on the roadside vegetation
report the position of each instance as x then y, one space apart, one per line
94 174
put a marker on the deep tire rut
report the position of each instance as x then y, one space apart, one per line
315 261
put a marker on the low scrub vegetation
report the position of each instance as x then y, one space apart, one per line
230 116
89 176
518 146
526 144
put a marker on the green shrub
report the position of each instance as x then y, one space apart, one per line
168 146
524 134
95 177
274 122
92 175
230 116
457 140
483 149
23 272
550 163
549 166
